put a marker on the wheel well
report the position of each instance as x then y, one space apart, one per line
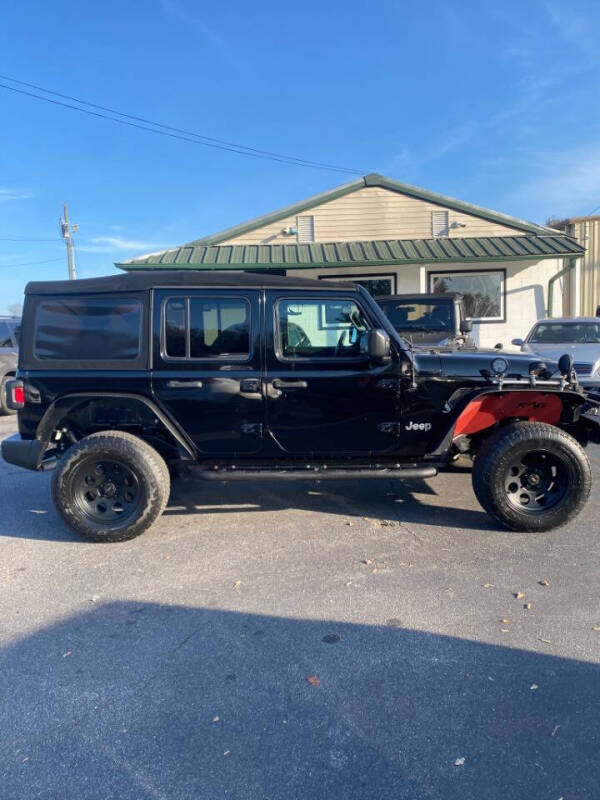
69 421
489 410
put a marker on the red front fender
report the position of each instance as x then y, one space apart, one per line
485 411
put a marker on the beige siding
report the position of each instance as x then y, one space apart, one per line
374 213
587 233
526 297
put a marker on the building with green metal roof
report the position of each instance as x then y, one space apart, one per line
393 237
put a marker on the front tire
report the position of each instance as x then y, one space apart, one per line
530 476
110 486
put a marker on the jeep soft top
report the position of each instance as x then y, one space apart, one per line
125 380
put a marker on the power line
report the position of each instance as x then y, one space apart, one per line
168 130
25 239
31 263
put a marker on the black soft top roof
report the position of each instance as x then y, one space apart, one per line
148 279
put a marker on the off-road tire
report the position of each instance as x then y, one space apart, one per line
135 456
520 440
4 409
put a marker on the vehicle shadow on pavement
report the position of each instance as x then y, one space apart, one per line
395 500
138 700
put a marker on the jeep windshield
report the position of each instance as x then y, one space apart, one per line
413 315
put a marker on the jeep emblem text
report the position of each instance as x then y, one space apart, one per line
418 426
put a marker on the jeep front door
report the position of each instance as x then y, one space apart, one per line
207 367
323 395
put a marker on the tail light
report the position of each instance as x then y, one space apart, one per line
15 395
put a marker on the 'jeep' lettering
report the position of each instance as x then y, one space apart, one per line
418 426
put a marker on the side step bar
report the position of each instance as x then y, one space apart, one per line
313 474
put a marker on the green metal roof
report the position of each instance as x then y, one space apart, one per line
373 179
358 254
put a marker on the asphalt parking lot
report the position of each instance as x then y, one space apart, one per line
299 640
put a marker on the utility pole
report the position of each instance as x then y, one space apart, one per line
67 231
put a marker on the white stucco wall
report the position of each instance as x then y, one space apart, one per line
526 287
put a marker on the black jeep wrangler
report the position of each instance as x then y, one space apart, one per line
123 379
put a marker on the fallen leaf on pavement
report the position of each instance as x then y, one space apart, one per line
313 680
544 582
237 584
506 620
527 606
215 719
546 641
459 762
367 561
518 595
554 729
226 752
68 653
504 630
596 628
489 586
534 686
349 523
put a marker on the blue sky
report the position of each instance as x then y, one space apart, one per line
494 103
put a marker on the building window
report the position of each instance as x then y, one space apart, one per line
483 292
376 285
440 225
306 230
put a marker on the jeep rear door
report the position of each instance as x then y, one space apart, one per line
207 367
323 395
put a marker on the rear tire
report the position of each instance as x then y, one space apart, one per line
110 486
530 476
4 409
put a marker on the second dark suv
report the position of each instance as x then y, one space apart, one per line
429 320
123 379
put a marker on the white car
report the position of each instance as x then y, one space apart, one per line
579 336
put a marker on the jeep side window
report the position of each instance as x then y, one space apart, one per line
206 327
323 328
88 328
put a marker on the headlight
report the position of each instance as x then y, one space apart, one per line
499 366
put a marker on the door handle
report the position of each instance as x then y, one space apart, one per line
184 384
281 384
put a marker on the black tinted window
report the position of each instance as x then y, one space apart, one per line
202 327
88 329
175 312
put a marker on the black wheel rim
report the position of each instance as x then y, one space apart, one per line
106 491
536 481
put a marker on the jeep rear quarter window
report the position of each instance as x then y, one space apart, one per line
88 329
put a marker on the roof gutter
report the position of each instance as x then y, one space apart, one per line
571 263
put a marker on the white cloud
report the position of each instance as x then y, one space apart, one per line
567 183
179 11
14 194
115 244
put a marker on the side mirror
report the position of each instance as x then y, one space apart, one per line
565 364
378 345
466 326
499 346
518 342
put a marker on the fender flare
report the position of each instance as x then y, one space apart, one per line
62 405
466 398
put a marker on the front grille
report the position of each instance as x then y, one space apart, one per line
582 368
